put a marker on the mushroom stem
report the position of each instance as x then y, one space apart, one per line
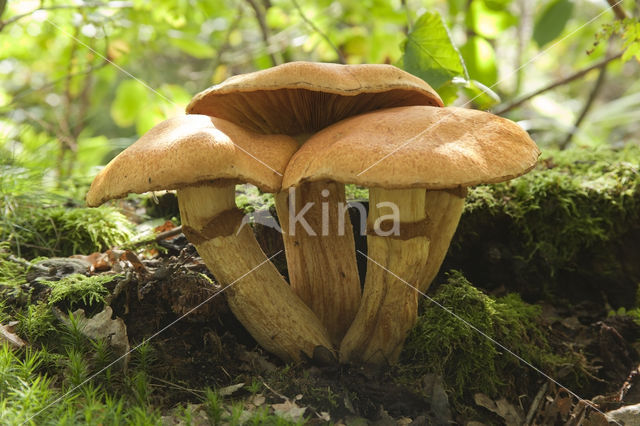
397 250
320 251
443 208
260 297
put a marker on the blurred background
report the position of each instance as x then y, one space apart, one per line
82 80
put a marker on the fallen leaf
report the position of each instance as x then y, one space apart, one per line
167 226
625 415
257 400
230 390
289 410
501 407
324 416
101 326
99 261
8 336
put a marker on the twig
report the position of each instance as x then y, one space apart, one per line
535 404
620 15
409 25
159 237
558 83
313 26
28 264
587 106
118 5
264 29
617 9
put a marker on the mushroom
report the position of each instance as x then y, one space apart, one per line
298 99
203 158
417 160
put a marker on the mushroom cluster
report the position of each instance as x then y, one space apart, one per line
304 130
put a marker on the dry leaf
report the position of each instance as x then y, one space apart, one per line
101 326
289 410
625 415
8 336
501 407
230 390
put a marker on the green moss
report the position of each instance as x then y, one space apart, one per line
77 289
36 321
469 362
571 223
12 274
572 200
58 231
249 198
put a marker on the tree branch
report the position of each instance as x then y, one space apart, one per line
264 29
558 83
587 106
620 15
617 9
313 26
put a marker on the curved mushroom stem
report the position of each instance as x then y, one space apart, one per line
443 208
257 294
320 250
397 252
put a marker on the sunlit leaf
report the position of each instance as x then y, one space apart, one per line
131 98
448 92
193 47
481 95
456 6
429 52
276 17
497 4
480 60
551 22
92 151
488 22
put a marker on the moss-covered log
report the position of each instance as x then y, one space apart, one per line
568 229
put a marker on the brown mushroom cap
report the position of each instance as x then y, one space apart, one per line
193 149
303 97
415 147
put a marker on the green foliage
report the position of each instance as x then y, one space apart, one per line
430 53
77 289
441 343
489 19
629 30
480 59
36 321
552 21
29 397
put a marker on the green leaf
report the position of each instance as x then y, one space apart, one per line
193 47
497 4
488 22
456 6
481 95
429 52
551 22
131 98
480 59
